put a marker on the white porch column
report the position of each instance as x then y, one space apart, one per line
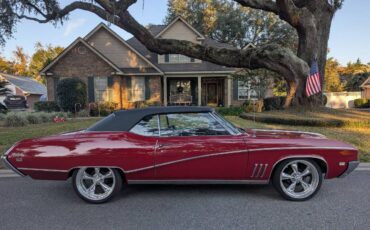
199 90
165 90
229 92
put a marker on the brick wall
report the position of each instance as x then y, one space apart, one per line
79 62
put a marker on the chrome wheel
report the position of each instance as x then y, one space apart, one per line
95 184
299 179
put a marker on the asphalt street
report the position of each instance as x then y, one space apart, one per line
29 204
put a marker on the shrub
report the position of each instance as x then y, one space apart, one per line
304 121
47 106
46 117
362 103
71 91
2 116
102 108
15 120
273 103
33 118
83 113
231 111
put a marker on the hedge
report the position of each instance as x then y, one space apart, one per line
231 111
362 103
46 106
304 121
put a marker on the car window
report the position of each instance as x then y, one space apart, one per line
148 126
190 124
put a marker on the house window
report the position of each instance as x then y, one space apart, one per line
137 89
245 91
176 58
102 92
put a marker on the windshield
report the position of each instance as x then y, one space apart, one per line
226 123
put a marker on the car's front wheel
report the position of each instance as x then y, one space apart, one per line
96 185
297 179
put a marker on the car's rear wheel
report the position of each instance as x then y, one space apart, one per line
96 185
297 179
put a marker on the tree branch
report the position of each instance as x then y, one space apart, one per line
266 5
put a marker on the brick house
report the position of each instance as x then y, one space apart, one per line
365 89
125 72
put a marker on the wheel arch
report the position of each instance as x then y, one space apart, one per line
120 171
318 159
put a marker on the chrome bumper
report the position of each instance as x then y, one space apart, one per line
10 166
352 165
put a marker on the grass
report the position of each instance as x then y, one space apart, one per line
349 117
10 135
355 135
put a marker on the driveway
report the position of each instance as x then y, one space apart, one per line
341 204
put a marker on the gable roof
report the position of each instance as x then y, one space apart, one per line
179 18
203 66
26 84
65 51
366 83
103 26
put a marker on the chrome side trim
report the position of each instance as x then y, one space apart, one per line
238 151
44 170
254 169
198 182
10 166
186 159
294 148
352 165
264 170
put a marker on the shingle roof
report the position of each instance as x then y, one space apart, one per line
27 84
187 67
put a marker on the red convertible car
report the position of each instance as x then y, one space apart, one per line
181 145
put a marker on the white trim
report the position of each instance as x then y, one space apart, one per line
200 36
43 170
363 85
102 25
200 181
65 51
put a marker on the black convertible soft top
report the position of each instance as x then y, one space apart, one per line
124 120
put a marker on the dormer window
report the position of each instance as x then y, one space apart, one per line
176 59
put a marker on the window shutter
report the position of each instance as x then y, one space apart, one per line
147 88
110 82
128 88
55 81
90 89
235 89
166 58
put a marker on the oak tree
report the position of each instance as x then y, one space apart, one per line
310 18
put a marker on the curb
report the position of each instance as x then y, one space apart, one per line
6 173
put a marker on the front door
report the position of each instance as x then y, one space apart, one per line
212 96
196 146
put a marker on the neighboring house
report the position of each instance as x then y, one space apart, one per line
125 72
365 89
31 89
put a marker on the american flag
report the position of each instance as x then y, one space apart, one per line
313 84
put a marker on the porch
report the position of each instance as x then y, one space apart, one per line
197 90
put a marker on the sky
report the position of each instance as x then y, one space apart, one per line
349 38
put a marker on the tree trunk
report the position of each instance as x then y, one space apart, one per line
313 44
